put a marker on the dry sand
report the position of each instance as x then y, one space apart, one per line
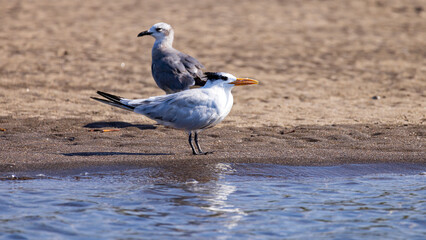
341 81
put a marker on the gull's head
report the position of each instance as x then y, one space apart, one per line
226 80
159 31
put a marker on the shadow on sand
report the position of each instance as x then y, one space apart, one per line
86 154
95 125
119 125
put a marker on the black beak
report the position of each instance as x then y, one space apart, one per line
144 33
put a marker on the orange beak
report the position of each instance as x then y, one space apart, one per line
244 81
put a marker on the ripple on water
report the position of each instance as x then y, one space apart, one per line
219 201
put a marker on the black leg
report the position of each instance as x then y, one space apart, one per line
198 145
190 142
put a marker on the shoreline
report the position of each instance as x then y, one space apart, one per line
71 144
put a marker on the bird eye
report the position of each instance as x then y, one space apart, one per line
224 78
158 29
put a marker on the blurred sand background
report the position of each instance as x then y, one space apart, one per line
340 81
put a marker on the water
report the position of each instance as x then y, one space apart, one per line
218 201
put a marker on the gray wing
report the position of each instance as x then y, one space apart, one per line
181 110
193 67
176 71
171 75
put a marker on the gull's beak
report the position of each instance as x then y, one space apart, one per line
244 81
144 33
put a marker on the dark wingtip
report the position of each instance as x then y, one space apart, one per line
200 81
109 96
101 100
112 100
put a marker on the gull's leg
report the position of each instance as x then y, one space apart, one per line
198 145
190 143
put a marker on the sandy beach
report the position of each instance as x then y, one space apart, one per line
340 82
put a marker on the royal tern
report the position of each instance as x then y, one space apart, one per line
192 110
173 71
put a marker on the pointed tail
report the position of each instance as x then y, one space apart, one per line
112 100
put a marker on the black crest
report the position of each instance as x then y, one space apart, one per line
212 76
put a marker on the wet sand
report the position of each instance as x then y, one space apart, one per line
340 82
70 143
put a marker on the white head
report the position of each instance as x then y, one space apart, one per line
226 80
162 32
